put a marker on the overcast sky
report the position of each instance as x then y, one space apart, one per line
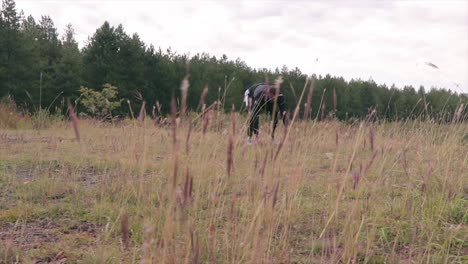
388 41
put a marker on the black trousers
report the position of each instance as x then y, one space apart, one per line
254 120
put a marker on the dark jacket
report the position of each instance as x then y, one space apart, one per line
260 97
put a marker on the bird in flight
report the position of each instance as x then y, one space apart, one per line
430 64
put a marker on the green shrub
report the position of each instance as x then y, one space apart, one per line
42 119
99 103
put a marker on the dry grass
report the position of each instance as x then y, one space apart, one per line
10 118
387 193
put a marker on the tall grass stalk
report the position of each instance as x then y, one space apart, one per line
369 192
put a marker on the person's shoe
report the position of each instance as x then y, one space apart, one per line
249 141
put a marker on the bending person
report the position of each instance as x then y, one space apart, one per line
261 97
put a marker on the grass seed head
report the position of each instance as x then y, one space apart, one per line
74 119
184 88
334 100
125 231
203 98
308 104
323 112
142 114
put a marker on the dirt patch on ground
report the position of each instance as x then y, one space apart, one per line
90 176
46 235
87 175
26 173
90 229
30 235
35 234
12 139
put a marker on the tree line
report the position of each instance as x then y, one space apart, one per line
39 68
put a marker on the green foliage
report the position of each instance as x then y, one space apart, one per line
99 104
34 58
457 213
43 118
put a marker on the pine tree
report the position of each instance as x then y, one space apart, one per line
10 47
68 68
49 48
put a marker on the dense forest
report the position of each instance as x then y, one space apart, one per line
39 68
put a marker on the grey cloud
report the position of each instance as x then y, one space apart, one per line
352 38
248 12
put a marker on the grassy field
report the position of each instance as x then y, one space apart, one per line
138 193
